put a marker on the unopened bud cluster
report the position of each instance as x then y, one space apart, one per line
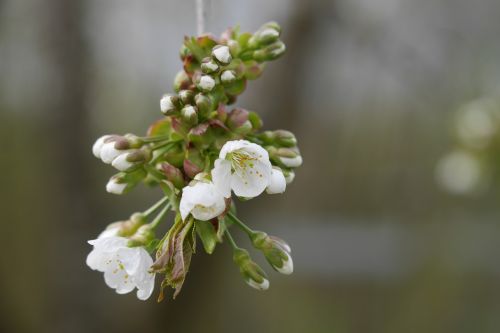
202 154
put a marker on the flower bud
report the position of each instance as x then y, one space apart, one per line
289 175
281 138
237 121
189 115
194 163
255 120
253 275
208 66
186 96
97 147
277 183
228 77
124 181
222 54
181 81
173 174
267 34
206 83
130 160
127 228
276 251
169 104
203 103
270 52
109 151
184 52
253 70
234 47
286 157
142 237
128 141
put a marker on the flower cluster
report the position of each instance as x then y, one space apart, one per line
202 154
470 166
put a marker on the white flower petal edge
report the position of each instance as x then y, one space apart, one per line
277 182
242 167
264 285
97 147
202 200
125 268
287 267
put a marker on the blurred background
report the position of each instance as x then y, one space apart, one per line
381 241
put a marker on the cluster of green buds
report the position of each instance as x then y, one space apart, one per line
201 153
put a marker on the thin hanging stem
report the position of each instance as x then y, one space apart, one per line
160 216
231 240
155 206
239 223
201 15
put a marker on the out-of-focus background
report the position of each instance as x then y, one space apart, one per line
382 242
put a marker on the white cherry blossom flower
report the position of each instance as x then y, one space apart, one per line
277 182
202 200
243 167
125 268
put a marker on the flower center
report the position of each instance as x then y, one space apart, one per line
241 160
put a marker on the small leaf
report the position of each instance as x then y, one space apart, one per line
160 127
207 234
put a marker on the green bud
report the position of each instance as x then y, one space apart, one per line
189 115
236 88
267 34
253 275
234 47
228 77
253 70
129 227
208 66
255 120
276 251
204 104
289 175
285 157
285 138
184 52
186 96
270 52
181 81
142 237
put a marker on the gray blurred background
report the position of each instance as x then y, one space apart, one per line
368 86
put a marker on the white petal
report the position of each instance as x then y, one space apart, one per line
109 232
264 285
221 176
114 187
287 267
251 181
202 200
277 182
144 293
231 146
96 148
292 162
121 163
109 152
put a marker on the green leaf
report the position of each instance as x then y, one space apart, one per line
207 234
160 127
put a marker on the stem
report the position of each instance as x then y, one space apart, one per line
240 224
201 15
157 175
155 206
155 138
231 240
160 216
164 144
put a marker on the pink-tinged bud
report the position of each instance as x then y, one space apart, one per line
173 174
253 70
191 169
236 118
